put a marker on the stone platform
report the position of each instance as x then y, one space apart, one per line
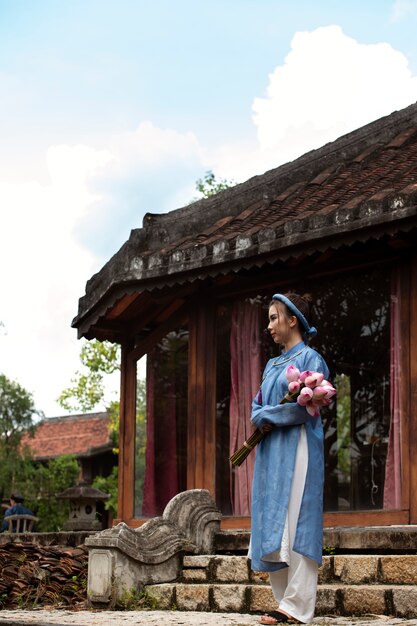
399 539
348 585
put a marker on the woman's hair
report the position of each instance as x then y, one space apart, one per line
303 303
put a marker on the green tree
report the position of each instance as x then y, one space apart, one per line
40 483
17 416
99 358
18 472
209 185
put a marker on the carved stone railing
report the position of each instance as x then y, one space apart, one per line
122 558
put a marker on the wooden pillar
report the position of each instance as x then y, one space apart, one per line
413 391
201 441
127 435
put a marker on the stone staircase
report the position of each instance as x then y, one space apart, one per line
370 571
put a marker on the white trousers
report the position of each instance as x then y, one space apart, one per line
295 587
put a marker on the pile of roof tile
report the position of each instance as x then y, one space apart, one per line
32 575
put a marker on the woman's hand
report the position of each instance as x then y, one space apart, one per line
267 428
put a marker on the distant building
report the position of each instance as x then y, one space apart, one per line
85 436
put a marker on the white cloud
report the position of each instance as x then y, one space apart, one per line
328 85
151 170
403 9
96 193
43 273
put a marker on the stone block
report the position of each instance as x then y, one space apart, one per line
194 575
232 540
229 598
356 570
405 601
100 575
230 569
259 578
163 595
262 599
192 597
364 599
326 570
326 600
400 570
196 561
153 553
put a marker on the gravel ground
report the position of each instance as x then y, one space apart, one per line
43 617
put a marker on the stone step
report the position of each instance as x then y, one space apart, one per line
361 539
355 600
345 569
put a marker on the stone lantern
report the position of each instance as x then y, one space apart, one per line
83 499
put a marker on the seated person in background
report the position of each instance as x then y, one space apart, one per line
16 508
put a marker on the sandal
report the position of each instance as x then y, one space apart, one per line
277 616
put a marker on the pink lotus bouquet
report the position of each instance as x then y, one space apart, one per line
308 389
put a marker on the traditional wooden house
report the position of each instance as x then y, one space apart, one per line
86 436
190 289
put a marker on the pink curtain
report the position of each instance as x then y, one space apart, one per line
149 506
161 472
245 357
392 486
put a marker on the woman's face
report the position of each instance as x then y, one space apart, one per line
281 327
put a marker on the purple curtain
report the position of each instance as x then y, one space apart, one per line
245 357
392 485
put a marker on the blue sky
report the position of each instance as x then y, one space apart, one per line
110 109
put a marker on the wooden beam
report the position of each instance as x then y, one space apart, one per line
144 345
121 305
406 288
364 518
127 434
201 448
412 411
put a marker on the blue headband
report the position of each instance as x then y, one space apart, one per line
310 330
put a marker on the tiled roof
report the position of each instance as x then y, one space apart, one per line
362 186
81 435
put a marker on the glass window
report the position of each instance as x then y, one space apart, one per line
353 314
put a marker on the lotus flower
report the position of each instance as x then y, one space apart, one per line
330 392
313 409
305 396
313 392
292 373
319 393
314 379
294 386
325 402
304 375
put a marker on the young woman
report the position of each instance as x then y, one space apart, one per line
287 498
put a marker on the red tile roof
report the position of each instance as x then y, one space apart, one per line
81 435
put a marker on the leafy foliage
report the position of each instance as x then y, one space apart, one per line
17 413
41 483
99 358
210 185
109 484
